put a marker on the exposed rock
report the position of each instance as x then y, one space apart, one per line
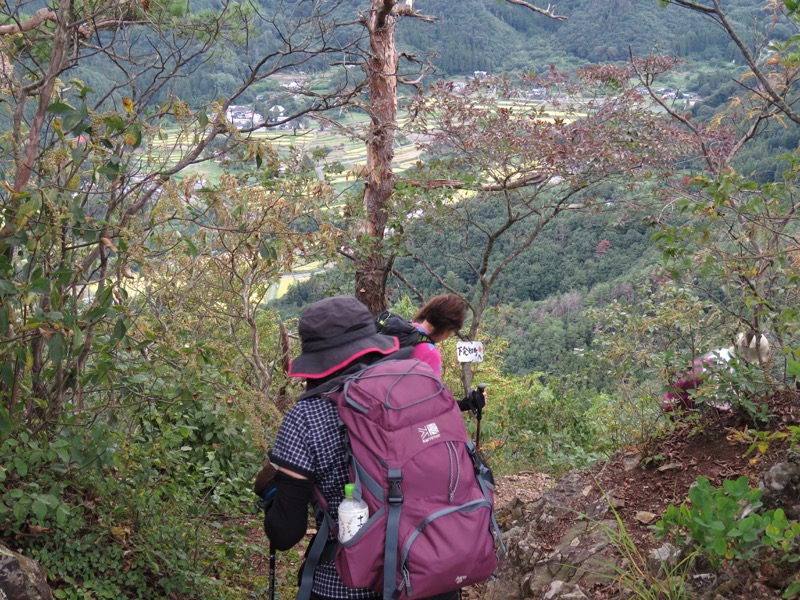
664 558
781 485
559 590
631 460
561 548
21 578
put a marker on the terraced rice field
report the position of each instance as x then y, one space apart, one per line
349 151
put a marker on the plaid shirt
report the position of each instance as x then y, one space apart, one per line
311 441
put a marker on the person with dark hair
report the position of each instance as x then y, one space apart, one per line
339 338
440 318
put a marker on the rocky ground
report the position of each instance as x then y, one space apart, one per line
549 536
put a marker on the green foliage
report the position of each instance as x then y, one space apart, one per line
759 442
734 247
724 523
528 422
110 516
132 414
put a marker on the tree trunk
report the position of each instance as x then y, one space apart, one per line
372 264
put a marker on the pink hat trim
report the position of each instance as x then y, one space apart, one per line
344 362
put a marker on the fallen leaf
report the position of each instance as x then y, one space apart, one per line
646 517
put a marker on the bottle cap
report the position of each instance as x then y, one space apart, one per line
349 488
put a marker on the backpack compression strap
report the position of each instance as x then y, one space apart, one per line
485 480
394 501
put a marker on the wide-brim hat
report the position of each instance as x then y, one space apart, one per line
333 333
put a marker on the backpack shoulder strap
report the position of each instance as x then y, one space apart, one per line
389 323
321 549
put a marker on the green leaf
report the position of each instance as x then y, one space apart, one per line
20 510
63 454
135 133
27 210
39 509
717 526
793 367
40 286
114 123
77 339
720 546
73 123
58 347
791 591
20 466
110 170
106 296
60 108
267 252
7 288
47 499
62 512
192 248
5 421
119 330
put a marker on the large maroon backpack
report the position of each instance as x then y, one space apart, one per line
430 496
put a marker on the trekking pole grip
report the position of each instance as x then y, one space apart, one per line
481 388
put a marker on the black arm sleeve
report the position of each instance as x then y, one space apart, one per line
286 517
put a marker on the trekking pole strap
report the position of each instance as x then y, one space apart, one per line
390 554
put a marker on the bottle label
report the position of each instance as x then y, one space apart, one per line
350 521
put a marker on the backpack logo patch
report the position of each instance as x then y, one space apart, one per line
429 433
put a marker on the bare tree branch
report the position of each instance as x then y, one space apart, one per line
547 12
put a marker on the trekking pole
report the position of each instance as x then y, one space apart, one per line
271 571
478 416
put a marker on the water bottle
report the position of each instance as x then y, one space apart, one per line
352 514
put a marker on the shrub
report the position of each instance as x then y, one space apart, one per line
723 523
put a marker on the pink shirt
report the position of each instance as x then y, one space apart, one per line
428 352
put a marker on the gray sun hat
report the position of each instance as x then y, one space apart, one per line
333 333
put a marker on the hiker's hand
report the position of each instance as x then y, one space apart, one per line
475 401
478 399
265 480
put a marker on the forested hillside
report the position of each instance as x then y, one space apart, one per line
541 300
498 38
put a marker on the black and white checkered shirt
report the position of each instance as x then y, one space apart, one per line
312 442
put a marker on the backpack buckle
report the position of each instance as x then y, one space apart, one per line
395 495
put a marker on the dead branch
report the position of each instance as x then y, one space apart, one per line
547 12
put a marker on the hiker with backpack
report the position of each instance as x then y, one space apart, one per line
441 317
373 418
